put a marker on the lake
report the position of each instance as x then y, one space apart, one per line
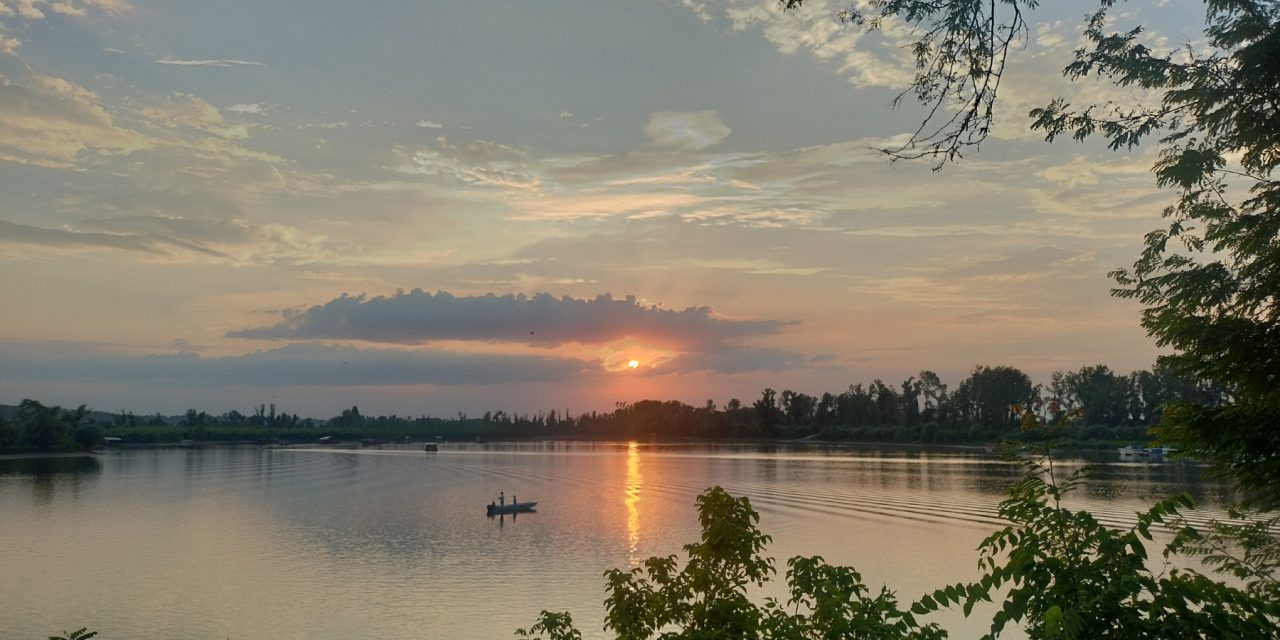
247 543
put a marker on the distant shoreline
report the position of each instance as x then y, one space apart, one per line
38 455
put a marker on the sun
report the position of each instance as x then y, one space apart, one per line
634 364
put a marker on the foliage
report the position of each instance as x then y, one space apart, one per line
1242 440
707 598
985 398
37 427
552 626
1065 575
960 52
1056 572
832 602
1210 279
1245 547
79 634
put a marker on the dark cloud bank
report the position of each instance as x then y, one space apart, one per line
418 317
704 342
304 365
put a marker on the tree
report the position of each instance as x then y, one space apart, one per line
41 425
767 412
888 404
798 408
1059 574
79 634
1210 279
911 389
935 396
707 598
987 397
87 436
1102 396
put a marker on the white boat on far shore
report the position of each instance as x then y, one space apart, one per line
1144 453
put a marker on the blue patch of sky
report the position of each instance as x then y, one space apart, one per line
504 69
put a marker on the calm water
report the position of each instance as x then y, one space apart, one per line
248 543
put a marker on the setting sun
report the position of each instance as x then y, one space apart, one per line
633 364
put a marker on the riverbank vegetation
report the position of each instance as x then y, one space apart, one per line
1113 409
34 427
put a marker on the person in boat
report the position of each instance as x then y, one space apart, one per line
502 501
513 499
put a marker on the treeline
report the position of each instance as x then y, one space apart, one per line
36 427
984 407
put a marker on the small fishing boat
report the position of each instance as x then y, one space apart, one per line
515 507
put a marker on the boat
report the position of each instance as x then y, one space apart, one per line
431 447
1144 453
515 507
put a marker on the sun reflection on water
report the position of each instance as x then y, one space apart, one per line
634 482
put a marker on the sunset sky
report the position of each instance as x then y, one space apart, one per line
426 208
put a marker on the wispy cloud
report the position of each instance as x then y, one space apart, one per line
209 62
815 27
686 129
482 163
248 108
8 44
35 9
46 118
21 234
173 238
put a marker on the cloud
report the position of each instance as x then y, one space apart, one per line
21 234
8 45
481 163
690 130
754 266
214 62
191 126
296 365
418 317
250 108
428 124
881 60
698 8
48 119
31 9
183 111
735 360
631 205
165 237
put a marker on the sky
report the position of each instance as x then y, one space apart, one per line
432 208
